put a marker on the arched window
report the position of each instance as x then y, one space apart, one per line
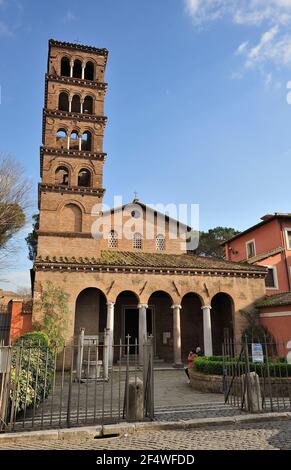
112 239
62 176
86 141
84 178
64 102
89 71
65 67
71 219
160 242
62 138
76 104
77 69
74 141
137 241
88 105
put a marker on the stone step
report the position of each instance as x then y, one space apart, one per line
133 359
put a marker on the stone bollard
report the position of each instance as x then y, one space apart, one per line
135 400
252 392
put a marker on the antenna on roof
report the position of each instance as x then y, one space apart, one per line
135 196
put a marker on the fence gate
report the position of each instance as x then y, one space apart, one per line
256 374
43 389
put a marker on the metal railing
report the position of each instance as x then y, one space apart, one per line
41 388
256 374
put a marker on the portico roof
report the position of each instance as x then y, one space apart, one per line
153 262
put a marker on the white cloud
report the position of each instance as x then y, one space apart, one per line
5 29
253 12
69 17
274 45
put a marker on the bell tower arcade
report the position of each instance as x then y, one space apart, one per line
71 155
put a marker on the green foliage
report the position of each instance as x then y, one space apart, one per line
53 308
210 242
31 239
32 370
210 366
12 220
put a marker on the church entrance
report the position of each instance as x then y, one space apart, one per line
131 326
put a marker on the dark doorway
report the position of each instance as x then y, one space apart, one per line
131 327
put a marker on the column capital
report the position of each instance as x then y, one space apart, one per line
177 306
110 304
142 306
208 307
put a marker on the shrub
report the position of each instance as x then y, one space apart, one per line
32 370
211 366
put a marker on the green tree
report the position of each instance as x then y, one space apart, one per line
210 242
31 239
53 309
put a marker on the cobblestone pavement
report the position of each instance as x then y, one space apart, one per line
263 436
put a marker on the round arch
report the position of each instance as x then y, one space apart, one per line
160 321
90 311
222 316
191 324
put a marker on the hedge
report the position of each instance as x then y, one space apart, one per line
210 366
32 370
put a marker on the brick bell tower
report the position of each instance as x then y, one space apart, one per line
71 155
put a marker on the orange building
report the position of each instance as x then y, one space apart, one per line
267 243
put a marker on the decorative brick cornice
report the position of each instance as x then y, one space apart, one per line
45 187
43 233
93 84
64 153
107 263
79 47
75 116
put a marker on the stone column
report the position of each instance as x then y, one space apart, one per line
83 71
177 335
71 68
110 329
70 103
142 330
207 330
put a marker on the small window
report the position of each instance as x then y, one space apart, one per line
88 105
74 141
64 102
65 67
251 249
160 242
62 176
77 69
271 278
137 241
61 138
86 141
76 104
288 239
84 178
89 71
113 239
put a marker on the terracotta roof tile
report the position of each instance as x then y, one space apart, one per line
275 300
154 260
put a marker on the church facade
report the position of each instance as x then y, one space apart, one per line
132 285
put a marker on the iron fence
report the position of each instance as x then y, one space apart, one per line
41 388
256 374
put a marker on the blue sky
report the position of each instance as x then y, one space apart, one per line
196 101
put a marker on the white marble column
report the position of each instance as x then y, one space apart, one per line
70 103
207 330
110 329
177 335
83 71
142 330
71 68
